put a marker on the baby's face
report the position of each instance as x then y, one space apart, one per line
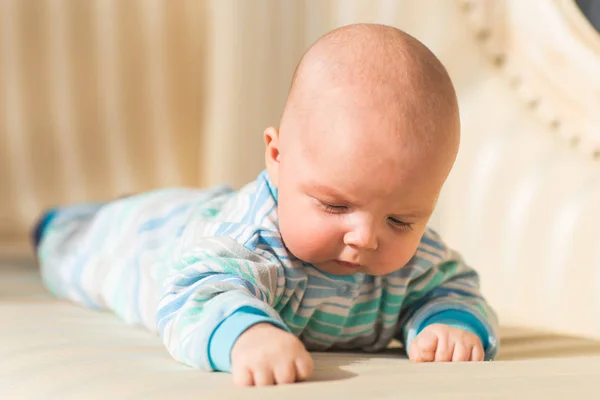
357 196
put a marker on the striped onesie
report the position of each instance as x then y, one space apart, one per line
200 266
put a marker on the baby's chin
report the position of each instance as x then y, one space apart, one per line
333 267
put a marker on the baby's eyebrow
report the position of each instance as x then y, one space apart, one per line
413 214
329 190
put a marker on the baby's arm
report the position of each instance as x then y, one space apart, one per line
446 316
217 314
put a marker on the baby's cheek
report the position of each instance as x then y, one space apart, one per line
398 252
308 238
391 263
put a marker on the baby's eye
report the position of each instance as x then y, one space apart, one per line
333 208
400 224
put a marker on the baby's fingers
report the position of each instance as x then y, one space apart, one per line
462 352
242 377
445 349
285 373
263 377
423 347
477 354
304 367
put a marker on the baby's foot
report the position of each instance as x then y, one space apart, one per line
40 226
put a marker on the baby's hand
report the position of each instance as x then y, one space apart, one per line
439 342
267 355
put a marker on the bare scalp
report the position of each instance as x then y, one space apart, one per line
374 72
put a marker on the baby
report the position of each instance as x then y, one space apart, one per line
327 249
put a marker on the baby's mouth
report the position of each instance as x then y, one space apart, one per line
347 264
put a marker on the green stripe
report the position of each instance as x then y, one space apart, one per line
329 318
363 319
446 270
289 316
368 306
316 339
357 334
316 325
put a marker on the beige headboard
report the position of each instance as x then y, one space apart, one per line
105 97
523 201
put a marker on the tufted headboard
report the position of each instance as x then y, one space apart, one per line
524 200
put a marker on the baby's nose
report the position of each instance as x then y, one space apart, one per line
363 238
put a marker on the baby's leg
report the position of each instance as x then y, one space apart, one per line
70 242
108 256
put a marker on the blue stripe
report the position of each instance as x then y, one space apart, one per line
441 291
431 253
432 243
170 309
270 242
159 222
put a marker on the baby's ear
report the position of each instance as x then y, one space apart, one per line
272 154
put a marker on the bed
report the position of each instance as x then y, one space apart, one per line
51 349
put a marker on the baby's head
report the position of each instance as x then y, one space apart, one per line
368 136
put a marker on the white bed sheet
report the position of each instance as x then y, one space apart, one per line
50 349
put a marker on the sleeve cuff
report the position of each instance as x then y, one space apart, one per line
224 336
458 319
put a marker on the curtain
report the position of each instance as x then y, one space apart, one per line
102 98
